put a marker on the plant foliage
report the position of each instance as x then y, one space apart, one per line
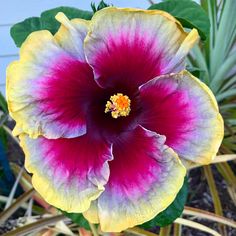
189 13
46 21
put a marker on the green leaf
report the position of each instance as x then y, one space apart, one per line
189 13
3 104
46 21
172 212
100 6
77 218
3 138
195 71
51 24
20 31
231 93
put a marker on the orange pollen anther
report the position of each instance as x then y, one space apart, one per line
119 105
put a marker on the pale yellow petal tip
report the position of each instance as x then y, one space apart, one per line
62 18
219 137
218 123
9 77
111 10
17 130
53 196
190 41
92 218
72 204
35 39
163 198
193 37
65 21
92 213
48 193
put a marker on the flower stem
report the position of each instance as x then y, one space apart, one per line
4 215
215 195
165 231
177 230
93 229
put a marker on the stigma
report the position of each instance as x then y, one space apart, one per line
119 105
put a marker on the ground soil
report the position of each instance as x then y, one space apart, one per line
200 197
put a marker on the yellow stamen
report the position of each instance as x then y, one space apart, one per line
119 105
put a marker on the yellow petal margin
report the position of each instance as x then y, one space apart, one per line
40 50
200 139
67 191
165 36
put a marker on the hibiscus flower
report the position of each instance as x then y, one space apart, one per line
106 114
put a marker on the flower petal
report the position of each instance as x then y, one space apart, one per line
68 173
183 109
132 46
145 177
92 213
47 89
71 35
